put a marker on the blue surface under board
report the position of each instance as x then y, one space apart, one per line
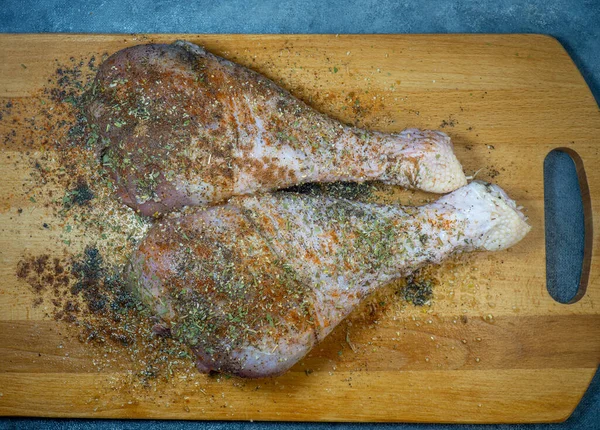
576 24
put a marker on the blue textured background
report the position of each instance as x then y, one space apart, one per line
576 24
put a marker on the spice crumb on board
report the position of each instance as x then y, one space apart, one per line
450 122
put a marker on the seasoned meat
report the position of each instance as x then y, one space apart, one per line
180 126
254 284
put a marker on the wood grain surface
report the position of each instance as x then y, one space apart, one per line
492 347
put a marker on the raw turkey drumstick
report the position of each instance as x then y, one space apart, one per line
180 126
254 284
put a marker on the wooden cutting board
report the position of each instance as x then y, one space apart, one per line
492 347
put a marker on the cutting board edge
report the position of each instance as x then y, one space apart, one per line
555 415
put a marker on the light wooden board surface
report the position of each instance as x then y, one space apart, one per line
498 350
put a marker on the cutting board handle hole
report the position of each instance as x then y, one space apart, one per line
568 225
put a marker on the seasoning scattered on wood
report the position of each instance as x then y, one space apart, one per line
450 122
80 195
93 299
419 292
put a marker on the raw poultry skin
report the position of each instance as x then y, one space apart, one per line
180 126
254 284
